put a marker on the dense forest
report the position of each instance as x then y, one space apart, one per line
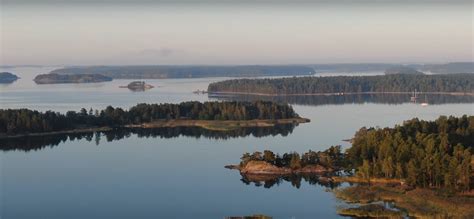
175 71
431 154
424 153
64 79
21 121
349 84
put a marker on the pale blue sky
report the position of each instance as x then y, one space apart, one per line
268 32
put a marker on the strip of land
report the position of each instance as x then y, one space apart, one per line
213 125
217 125
419 202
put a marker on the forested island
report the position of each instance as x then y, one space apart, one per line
268 163
65 79
396 83
408 164
187 71
7 77
219 116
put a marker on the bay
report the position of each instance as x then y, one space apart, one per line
173 177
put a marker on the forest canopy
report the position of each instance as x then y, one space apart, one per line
21 121
428 154
462 83
424 153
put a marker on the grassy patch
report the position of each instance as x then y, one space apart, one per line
417 202
371 210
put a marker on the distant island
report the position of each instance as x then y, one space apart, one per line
425 167
7 77
171 71
448 68
63 79
340 85
402 70
138 86
218 116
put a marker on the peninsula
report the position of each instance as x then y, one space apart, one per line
7 77
218 116
425 167
187 71
63 79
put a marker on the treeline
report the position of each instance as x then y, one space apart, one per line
331 158
21 121
349 84
435 154
170 71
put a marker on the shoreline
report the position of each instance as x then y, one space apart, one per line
335 94
262 168
417 202
213 125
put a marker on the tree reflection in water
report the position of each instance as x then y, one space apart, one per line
315 100
268 181
34 143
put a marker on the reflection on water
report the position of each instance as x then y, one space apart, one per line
268 181
40 142
433 99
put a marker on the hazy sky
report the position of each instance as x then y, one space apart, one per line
213 32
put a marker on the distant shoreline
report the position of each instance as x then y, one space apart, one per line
213 125
338 94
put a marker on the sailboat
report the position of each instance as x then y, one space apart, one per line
414 97
425 103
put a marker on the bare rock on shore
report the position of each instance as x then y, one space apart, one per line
265 168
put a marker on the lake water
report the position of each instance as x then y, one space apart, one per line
173 176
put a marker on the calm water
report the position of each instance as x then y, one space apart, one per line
177 176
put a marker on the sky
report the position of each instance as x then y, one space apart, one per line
108 32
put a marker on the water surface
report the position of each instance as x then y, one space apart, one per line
171 174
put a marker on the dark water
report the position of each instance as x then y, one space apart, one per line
172 173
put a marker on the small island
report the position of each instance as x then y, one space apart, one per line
66 79
7 77
217 116
138 86
267 163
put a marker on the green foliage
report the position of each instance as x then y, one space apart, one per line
330 158
21 121
349 84
424 153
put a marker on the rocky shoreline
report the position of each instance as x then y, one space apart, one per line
264 168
